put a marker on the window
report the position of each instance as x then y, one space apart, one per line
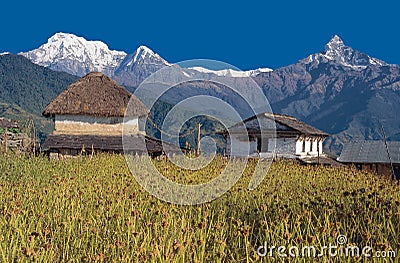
311 145
259 143
304 147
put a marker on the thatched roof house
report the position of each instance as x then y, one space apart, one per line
95 105
89 115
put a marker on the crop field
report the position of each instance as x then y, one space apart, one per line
93 210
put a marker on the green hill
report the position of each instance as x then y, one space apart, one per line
26 89
28 85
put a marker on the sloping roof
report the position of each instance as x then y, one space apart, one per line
6 123
295 124
282 123
96 95
370 152
107 143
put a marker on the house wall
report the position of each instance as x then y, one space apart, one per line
241 146
308 150
283 146
379 168
81 124
287 146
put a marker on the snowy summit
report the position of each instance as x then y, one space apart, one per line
335 50
75 55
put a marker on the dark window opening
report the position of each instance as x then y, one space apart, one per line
304 147
259 144
311 145
397 172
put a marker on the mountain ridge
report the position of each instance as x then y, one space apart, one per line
78 56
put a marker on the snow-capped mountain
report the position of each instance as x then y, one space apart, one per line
138 66
75 55
78 56
336 51
143 55
231 72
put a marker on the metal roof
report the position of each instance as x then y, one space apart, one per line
370 152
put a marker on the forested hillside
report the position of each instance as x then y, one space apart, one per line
28 85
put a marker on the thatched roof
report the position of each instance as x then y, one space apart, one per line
96 95
6 123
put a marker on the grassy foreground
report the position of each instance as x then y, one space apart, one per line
93 210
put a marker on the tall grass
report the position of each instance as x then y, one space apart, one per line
93 210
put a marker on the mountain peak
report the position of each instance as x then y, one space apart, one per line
137 66
335 47
75 55
145 54
61 35
144 49
337 52
142 53
336 40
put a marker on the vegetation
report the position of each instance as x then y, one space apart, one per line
92 210
29 86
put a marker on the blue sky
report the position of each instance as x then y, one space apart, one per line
247 34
